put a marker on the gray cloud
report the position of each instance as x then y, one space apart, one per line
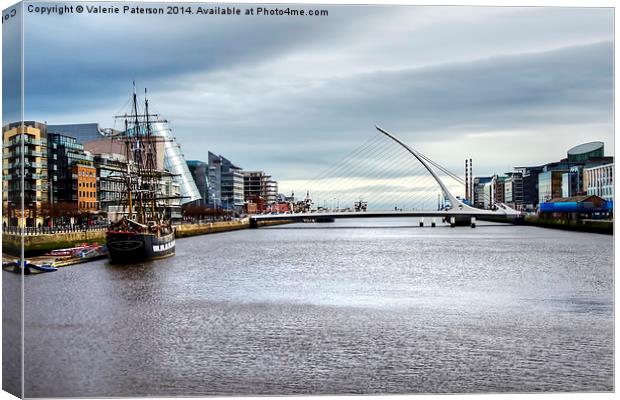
292 95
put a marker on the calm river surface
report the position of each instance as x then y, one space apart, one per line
357 306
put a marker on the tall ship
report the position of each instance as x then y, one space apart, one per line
144 231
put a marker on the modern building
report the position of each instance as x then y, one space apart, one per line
232 186
81 132
259 184
488 198
499 187
513 190
85 188
598 181
225 184
170 153
111 188
272 191
585 152
568 183
70 170
572 182
479 191
549 185
200 173
214 177
529 178
174 162
33 136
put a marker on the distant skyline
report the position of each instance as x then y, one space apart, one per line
288 95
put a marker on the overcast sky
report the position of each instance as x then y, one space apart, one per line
504 86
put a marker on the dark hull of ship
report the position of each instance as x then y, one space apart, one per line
129 246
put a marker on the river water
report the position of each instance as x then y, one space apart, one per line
356 306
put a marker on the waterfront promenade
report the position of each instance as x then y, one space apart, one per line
40 240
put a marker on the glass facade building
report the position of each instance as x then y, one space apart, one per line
200 173
174 162
549 185
64 153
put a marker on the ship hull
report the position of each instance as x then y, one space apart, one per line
130 246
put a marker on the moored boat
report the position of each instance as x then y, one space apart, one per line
131 241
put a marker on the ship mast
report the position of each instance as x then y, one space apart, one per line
151 163
142 175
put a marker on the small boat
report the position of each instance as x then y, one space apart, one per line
67 251
43 267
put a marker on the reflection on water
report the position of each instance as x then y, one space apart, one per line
307 308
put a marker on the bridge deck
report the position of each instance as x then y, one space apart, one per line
481 214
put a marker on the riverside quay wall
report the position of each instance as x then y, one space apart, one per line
580 225
36 244
39 243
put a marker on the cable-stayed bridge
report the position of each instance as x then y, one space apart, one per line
384 177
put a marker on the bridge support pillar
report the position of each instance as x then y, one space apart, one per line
421 222
473 222
452 222
433 224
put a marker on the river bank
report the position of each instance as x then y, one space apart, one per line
584 225
39 244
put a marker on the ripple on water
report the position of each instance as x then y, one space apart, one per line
302 309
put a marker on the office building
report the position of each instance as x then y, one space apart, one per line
225 184
33 136
479 191
598 181
549 185
81 132
73 176
259 184
111 188
513 190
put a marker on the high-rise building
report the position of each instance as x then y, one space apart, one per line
32 136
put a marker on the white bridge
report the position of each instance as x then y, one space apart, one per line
457 213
